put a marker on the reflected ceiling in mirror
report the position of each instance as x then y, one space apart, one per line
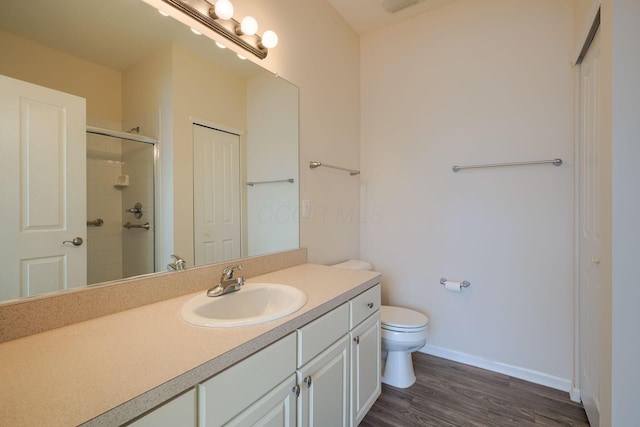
94 49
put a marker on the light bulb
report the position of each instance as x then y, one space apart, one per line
223 9
269 39
220 45
196 32
249 25
163 13
241 57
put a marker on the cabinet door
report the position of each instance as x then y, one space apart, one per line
178 412
324 388
276 409
226 395
365 367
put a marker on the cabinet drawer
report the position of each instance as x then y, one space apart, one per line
228 393
364 305
321 333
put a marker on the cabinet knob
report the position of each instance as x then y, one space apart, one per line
370 305
356 339
307 381
296 390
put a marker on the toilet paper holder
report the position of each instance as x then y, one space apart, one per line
464 283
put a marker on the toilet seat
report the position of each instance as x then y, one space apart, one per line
399 319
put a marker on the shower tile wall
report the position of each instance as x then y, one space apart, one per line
104 244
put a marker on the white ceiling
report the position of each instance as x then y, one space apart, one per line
369 15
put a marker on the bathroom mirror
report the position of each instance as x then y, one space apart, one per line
143 72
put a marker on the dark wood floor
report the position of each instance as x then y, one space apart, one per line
452 394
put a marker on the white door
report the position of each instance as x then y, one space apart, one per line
216 195
589 238
42 189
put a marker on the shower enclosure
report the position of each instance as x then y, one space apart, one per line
120 205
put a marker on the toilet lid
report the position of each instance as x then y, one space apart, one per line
400 317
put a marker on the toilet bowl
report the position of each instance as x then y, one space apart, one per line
402 331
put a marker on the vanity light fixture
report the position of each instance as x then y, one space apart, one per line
219 18
223 9
248 25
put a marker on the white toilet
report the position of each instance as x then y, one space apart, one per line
402 331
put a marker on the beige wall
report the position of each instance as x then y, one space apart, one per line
147 91
38 64
475 82
272 154
319 53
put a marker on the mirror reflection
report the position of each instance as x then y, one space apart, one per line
203 163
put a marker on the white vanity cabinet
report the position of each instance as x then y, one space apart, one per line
340 382
364 325
326 373
252 391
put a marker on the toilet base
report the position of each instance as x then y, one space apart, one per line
398 369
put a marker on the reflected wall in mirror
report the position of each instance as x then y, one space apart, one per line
130 68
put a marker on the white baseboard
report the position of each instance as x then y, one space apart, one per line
502 368
574 394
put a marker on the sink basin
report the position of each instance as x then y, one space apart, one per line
254 303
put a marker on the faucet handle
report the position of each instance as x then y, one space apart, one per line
228 271
179 264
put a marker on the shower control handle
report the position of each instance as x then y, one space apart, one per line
136 210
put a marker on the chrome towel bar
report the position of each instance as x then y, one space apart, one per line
555 162
96 222
251 184
129 226
313 165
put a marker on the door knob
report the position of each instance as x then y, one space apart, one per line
77 241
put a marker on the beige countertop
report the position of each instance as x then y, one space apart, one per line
108 370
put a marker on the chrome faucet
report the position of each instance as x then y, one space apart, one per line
228 283
178 265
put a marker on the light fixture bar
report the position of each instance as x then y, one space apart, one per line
199 10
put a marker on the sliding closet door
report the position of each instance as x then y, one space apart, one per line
216 188
590 234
